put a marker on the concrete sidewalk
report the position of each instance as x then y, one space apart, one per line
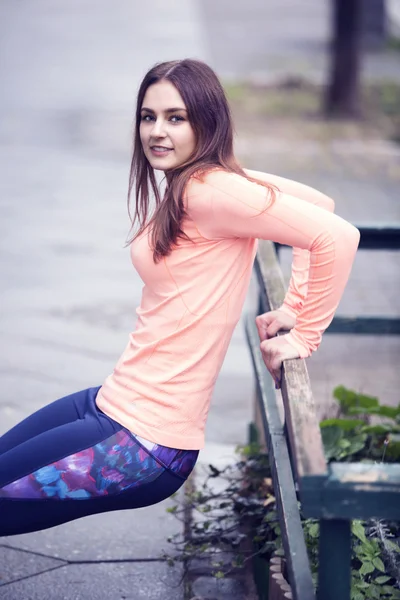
69 75
68 291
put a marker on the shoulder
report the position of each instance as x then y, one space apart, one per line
201 185
221 195
201 181
222 181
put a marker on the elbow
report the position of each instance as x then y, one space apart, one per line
329 204
347 241
347 244
343 239
348 236
325 202
353 236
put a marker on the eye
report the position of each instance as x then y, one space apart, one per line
176 118
146 118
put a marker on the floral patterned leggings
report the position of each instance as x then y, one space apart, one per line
69 460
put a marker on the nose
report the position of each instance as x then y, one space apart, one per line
158 129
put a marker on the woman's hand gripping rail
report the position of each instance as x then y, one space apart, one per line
284 318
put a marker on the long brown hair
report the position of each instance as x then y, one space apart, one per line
210 117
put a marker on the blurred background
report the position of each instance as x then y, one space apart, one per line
315 91
314 87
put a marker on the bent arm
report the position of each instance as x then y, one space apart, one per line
298 284
239 208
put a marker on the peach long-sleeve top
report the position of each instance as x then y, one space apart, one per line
192 299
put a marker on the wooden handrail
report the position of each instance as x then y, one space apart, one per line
301 419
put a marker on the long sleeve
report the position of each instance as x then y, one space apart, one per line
233 207
298 284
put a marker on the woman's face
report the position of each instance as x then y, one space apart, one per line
167 137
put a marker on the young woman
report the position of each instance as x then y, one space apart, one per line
134 440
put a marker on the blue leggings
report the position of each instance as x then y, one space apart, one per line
69 460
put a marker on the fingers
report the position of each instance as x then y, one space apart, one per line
260 328
273 328
268 326
273 361
274 352
262 323
271 322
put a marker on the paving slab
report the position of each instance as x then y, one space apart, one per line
123 581
232 400
131 534
18 564
221 589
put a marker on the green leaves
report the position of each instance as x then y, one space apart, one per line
366 568
381 409
358 530
348 399
393 447
378 564
313 530
392 546
219 574
368 582
345 424
340 443
172 509
381 429
350 438
382 579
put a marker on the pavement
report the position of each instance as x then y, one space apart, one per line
69 75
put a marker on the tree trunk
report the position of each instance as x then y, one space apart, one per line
374 24
343 93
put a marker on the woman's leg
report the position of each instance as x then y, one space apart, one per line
91 465
62 411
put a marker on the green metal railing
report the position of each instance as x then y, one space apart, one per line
373 237
334 493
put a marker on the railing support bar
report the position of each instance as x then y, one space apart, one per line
334 560
284 489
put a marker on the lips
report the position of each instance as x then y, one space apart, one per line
160 151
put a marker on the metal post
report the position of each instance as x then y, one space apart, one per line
334 571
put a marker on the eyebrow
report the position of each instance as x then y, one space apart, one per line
168 110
